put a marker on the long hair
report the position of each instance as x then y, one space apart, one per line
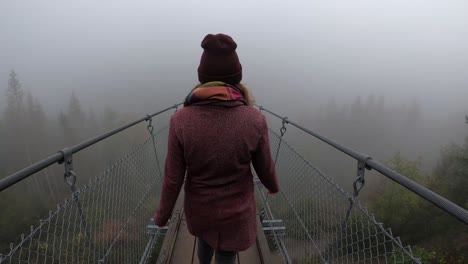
248 97
245 91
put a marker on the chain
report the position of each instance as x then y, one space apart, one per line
150 130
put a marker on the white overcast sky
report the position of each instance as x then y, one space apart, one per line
144 54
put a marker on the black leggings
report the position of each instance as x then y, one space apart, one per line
205 254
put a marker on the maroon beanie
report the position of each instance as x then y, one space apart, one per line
219 61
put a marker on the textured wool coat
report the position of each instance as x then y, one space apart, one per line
212 145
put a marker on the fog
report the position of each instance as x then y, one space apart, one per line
298 57
387 78
137 55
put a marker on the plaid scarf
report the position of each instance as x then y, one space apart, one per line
219 91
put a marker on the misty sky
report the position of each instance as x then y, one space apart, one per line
143 55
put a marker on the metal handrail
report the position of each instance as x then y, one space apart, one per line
59 156
439 201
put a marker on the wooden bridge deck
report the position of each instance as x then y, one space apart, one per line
180 247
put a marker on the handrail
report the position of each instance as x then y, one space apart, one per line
58 157
439 201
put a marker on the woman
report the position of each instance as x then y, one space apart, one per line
213 141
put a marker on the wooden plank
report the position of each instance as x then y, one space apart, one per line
195 254
262 244
180 246
171 234
182 252
253 254
250 256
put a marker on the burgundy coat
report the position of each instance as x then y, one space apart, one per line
215 144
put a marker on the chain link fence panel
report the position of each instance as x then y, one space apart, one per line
306 221
105 220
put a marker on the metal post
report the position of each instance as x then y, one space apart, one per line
154 232
277 237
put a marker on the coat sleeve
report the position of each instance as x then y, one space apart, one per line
263 163
174 173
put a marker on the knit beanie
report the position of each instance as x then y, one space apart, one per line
219 61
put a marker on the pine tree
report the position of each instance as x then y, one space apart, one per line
109 118
14 95
92 127
3 152
66 129
75 113
14 124
73 122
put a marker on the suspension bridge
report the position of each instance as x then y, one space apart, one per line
311 220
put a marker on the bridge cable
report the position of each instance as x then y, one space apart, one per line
358 184
267 209
70 178
150 128
283 130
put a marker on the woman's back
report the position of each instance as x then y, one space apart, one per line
212 143
218 141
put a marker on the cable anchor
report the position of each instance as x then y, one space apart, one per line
69 175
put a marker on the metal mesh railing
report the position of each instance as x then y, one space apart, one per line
311 220
307 220
104 221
